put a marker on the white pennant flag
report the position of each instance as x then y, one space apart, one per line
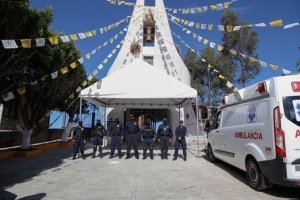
263 64
9 44
216 70
78 89
220 6
205 8
182 21
236 28
179 25
221 27
116 24
8 96
212 45
100 66
242 55
109 27
286 71
105 43
229 84
193 10
101 30
49 113
116 36
40 42
183 11
118 46
199 38
80 60
173 18
175 11
260 25
203 26
182 41
90 77
33 83
93 52
54 75
193 50
125 29
109 55
188 31
64 38
291 25
191 24
82 35
203 60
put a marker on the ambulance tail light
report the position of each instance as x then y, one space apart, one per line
223 100
279 134
296 86
262 88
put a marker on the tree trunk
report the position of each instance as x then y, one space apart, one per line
66 132
26 137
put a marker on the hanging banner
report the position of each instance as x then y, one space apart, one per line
190 120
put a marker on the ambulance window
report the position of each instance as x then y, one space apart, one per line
217 120
291 107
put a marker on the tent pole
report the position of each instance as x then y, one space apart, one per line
104 118
197 125
80 108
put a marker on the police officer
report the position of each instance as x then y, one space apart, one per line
165 134
79 140
180 134
133 129
148 136
116 131
98 133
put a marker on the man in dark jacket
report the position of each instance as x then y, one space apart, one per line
133 130
180 134
148 135
165 135
79 140
116 132
98 133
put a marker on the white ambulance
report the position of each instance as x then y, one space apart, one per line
257 130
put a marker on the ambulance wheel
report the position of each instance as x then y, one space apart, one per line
211 155
254 175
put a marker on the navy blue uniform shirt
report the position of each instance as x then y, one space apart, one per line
152 129
112 126
180 132
132 127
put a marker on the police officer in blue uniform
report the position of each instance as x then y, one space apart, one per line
116 131
98 133
133 129
79 140
180 134
165 135
148 136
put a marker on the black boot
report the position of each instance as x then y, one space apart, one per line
184 158
93 155
175 157
127 157
100 152
151 157
144 156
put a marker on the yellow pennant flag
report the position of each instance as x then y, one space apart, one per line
235 89
56 108
179 9
210 26
229 28
199 9
110 1
213 7
84 83
122 42
197 25
99 47
275 67
88 33
178 36
249 25
220 48
121 32
105 29
187 10
111 40
43 78
221 76
21 90
194 35
113 26
186 22
233 52
252 59
73 65
209 66
276 23
74 37
26 43
119 2
178 19
42 119
71 96
95 72
205 41
163 24
226 4
53 40
114 51
105 60
183 29
88 56
64 70
126 19
94 32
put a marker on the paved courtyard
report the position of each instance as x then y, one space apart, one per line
54 175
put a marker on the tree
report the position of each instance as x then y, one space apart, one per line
298 64
243 41
38 99
19 21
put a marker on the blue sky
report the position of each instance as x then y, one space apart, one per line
276 46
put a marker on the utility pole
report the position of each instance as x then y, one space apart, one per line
208 71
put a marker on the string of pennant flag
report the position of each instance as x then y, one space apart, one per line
40 42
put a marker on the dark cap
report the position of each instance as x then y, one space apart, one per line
148 120
98 120
165 119
131 115
116 117
181 121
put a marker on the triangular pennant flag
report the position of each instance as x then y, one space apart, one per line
219 6
21 90
80 60
40 42
221 27
78 89
226 4
175 11
118 46
229 84
54 75
111 40
213 7
233 52
74 37
71 96
205 8
43 78
203 26
191 24
89 77
93 52
73 65
203 60
236 28
26 43
95 72
260 25
9 44
209 66
275 67
89 34
100 66
84 83
64 70
33 83
229 28
105 29
242 55
182 21
8 96
94 32
105 43
216 70
212 45
199 38
235 89
199 9
82 35
121 32
276 23
193 10
99 47
183 11
109 55
221 76
186 22
122 42
252 59
210 26
197 25
53 40
188 31
187 10
88 56
64 38
114 51
101 30
205 41
220 48
194 35
291 25
178 20
263 64
286 71
105 60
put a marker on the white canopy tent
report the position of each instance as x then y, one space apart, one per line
139 85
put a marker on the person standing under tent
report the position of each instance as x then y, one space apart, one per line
180 134
132 128
79 140
116 132
148 136
165 135
98 133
